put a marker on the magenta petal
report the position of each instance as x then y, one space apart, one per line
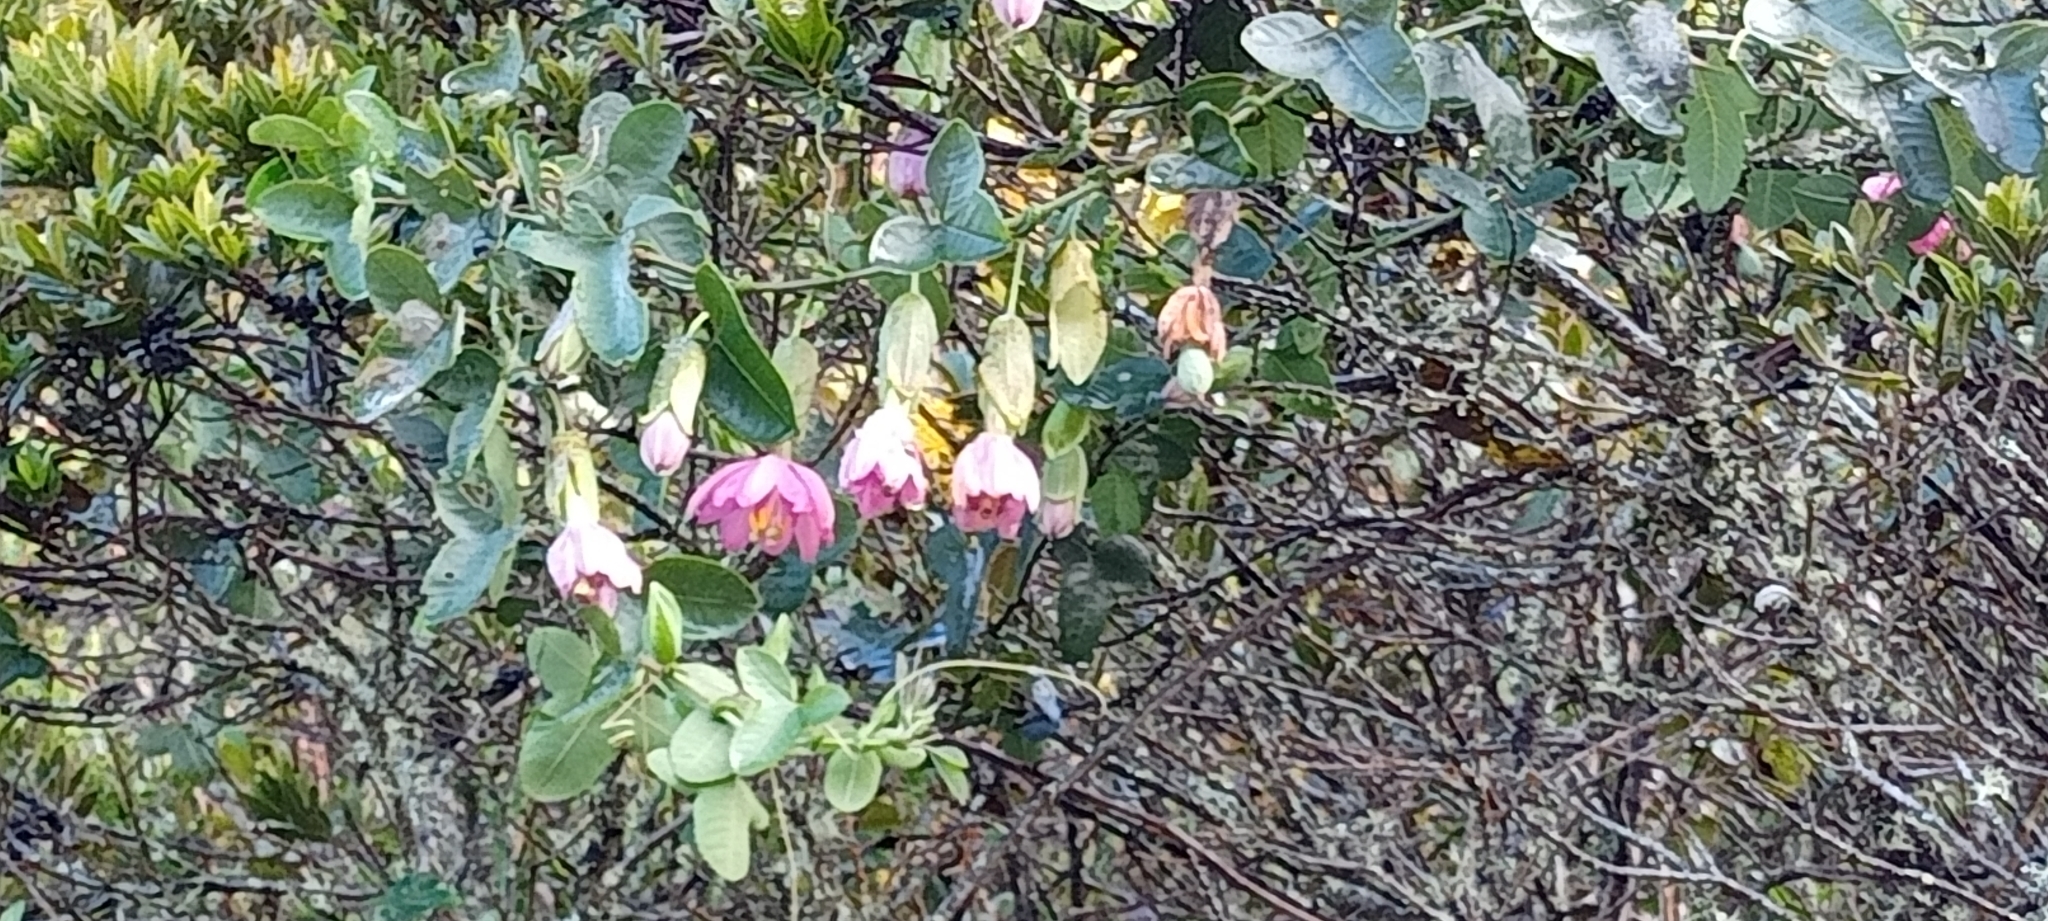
764 476
562 560
1010 518
733 531
808 537
706 492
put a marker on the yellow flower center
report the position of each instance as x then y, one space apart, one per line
769 521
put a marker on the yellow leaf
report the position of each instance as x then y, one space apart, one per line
1159 213
940 435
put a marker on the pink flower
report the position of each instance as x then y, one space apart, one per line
905 175
590 564
663 444
767 500
1193 316
1882 186
1019 14
1934 237
1059 517
994 484
882 467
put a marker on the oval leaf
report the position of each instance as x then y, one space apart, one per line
851 780
714 601
1077 321
741 385
1368 70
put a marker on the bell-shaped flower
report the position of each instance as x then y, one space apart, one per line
1058 518
1882 186
994 486
882 466
664 444
590 564
1193 316
766 500
904 174
1935 236
1019 14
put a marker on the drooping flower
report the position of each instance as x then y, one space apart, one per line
1934 237
1019 14
664 444
767 500
1193 315
1058 518
882 466
1882 186
994 485
590 564
905 172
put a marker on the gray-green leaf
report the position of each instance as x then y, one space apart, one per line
1367 69
1636 47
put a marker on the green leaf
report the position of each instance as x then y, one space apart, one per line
741 385
807 38
1064 429
700 752
20 663
412 345
822 701
1367 69
1768 200
852 780
395 275
1128 387
559 758
609 313
664 624
653 720
1119 507
562 661
415 897
1083 607
715 601
556 250
763 676
707 684
1076 319
289 132
1998 100
462 570
1900 112
1716 120
721 819
1648 187
1637 47
645 146
1858 30
1498 231
192 759
496 74
970 228
764 737
1825 199
1275 141
910 331
308 210
1454 70
1008 373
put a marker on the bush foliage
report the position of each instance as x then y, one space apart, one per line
1106 458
